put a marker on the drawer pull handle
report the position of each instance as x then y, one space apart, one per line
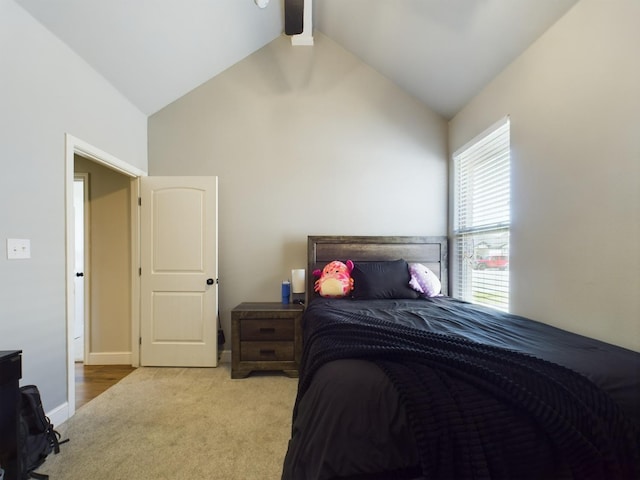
267 352
267 330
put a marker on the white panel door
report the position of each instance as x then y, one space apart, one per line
80 197
179 262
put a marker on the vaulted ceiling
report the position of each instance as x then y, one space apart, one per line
443 52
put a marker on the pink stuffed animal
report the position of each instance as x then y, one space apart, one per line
335 279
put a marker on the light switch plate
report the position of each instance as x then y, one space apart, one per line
18 248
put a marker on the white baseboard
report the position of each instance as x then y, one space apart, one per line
109 358
124 358
59 415
225 356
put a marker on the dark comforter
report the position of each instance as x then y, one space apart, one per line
445 389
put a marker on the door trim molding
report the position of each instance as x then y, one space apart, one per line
84 177
75 146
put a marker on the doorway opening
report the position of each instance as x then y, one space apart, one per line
75 146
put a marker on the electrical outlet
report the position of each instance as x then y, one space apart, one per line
18 248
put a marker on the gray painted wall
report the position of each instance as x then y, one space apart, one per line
312 141
305 141
574 102
46 91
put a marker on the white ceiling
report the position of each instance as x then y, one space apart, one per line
441 51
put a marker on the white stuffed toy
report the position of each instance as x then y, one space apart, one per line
424 280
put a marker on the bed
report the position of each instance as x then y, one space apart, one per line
398 386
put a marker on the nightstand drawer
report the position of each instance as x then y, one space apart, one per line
267 329
266 351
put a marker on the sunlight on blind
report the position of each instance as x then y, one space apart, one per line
482 219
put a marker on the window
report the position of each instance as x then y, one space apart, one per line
482 218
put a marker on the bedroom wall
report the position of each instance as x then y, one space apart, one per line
46 91
305 141
574 102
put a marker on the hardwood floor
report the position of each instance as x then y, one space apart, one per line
92 380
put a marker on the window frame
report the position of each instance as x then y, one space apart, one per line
470 276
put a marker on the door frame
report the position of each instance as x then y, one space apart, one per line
73 146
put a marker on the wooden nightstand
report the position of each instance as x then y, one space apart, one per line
265 336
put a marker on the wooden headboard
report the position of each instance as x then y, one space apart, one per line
430 251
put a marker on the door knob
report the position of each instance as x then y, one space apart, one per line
79 274
209 281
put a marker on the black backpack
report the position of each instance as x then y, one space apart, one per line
36 436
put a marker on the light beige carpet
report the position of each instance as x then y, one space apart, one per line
179 423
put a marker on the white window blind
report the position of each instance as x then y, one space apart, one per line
482 219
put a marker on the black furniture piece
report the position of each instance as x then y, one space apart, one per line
10 374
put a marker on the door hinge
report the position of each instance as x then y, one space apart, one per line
139 271
139 200
140 341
